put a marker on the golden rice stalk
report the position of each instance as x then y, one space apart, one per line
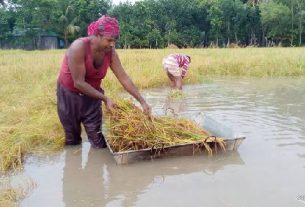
128 128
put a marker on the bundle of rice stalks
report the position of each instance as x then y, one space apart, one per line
128 128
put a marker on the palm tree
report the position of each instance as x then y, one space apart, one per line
68 23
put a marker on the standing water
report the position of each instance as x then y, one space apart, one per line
267 170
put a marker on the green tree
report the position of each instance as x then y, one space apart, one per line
300 19
89 11
252 25
68 22
276 20
7 22
215 15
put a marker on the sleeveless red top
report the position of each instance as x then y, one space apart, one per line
93 75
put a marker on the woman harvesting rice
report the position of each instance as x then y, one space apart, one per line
176 66
79 95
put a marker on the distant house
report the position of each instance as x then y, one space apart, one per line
49 40
41 41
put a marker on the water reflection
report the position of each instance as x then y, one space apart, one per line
100 182
269 108
175 106
270 112
82 184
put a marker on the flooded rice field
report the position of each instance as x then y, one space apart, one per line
267 170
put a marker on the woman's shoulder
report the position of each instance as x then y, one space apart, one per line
78 46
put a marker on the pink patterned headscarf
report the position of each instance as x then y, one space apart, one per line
106 25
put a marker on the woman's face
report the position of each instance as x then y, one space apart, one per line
107 43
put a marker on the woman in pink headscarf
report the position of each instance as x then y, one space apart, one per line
79 95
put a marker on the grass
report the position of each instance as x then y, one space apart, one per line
12 193
28 118
27 106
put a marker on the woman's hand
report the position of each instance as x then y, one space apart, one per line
109 104
146 108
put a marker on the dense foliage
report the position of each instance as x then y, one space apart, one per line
159 23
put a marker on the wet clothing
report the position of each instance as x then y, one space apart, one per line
75 108
176 64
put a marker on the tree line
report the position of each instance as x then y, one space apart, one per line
160 23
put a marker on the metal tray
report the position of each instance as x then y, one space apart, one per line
232 142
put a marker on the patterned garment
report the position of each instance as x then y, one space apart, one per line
176 64
105 25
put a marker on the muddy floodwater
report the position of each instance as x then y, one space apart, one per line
267 170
